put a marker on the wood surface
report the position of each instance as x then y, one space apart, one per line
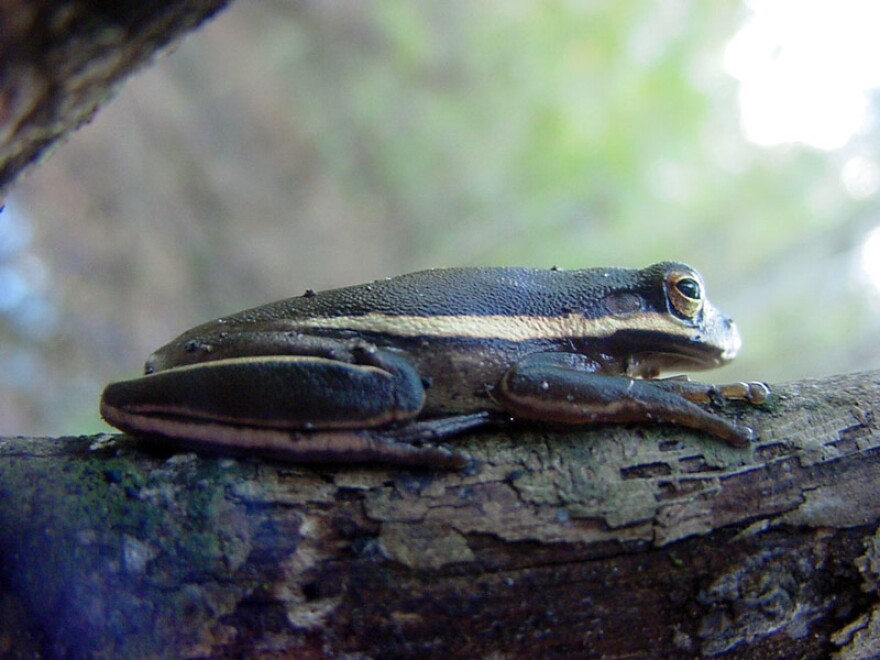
617 542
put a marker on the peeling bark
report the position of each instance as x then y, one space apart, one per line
615 542
61 59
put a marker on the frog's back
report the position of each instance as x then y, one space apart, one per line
455 292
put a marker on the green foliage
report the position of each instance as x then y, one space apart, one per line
545 132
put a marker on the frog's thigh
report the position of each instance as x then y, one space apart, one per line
549 387
283 392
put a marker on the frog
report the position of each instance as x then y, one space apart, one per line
388 371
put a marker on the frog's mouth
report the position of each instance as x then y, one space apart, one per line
651 365
651 354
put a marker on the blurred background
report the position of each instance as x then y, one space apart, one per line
303 144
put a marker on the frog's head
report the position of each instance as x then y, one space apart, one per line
673 327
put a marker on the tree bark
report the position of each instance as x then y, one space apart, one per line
61 59
616 542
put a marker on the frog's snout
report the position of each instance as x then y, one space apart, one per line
732 340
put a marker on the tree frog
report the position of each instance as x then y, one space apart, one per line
378 372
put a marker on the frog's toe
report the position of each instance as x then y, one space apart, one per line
758 393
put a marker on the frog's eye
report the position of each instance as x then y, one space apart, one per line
689 288
685 294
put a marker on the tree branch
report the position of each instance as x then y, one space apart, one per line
622 542
61 60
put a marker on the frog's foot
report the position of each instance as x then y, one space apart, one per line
365 447
754 393
443 427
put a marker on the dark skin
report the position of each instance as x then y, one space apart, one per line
378 372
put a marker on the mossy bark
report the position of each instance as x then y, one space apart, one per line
615 542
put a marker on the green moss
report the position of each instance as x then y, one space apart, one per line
94 535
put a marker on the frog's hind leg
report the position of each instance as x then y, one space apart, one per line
342 447
279 392
438 428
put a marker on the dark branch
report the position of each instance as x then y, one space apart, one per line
636 542
59 61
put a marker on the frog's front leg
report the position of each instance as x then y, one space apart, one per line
556 387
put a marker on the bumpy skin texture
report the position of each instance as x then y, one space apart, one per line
468 291
462 328
437 345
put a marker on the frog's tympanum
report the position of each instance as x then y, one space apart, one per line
378 372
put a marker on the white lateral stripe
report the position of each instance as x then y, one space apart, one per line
511 328
270 360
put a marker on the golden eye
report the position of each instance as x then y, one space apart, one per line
685 294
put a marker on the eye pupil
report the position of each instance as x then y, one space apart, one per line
689 287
